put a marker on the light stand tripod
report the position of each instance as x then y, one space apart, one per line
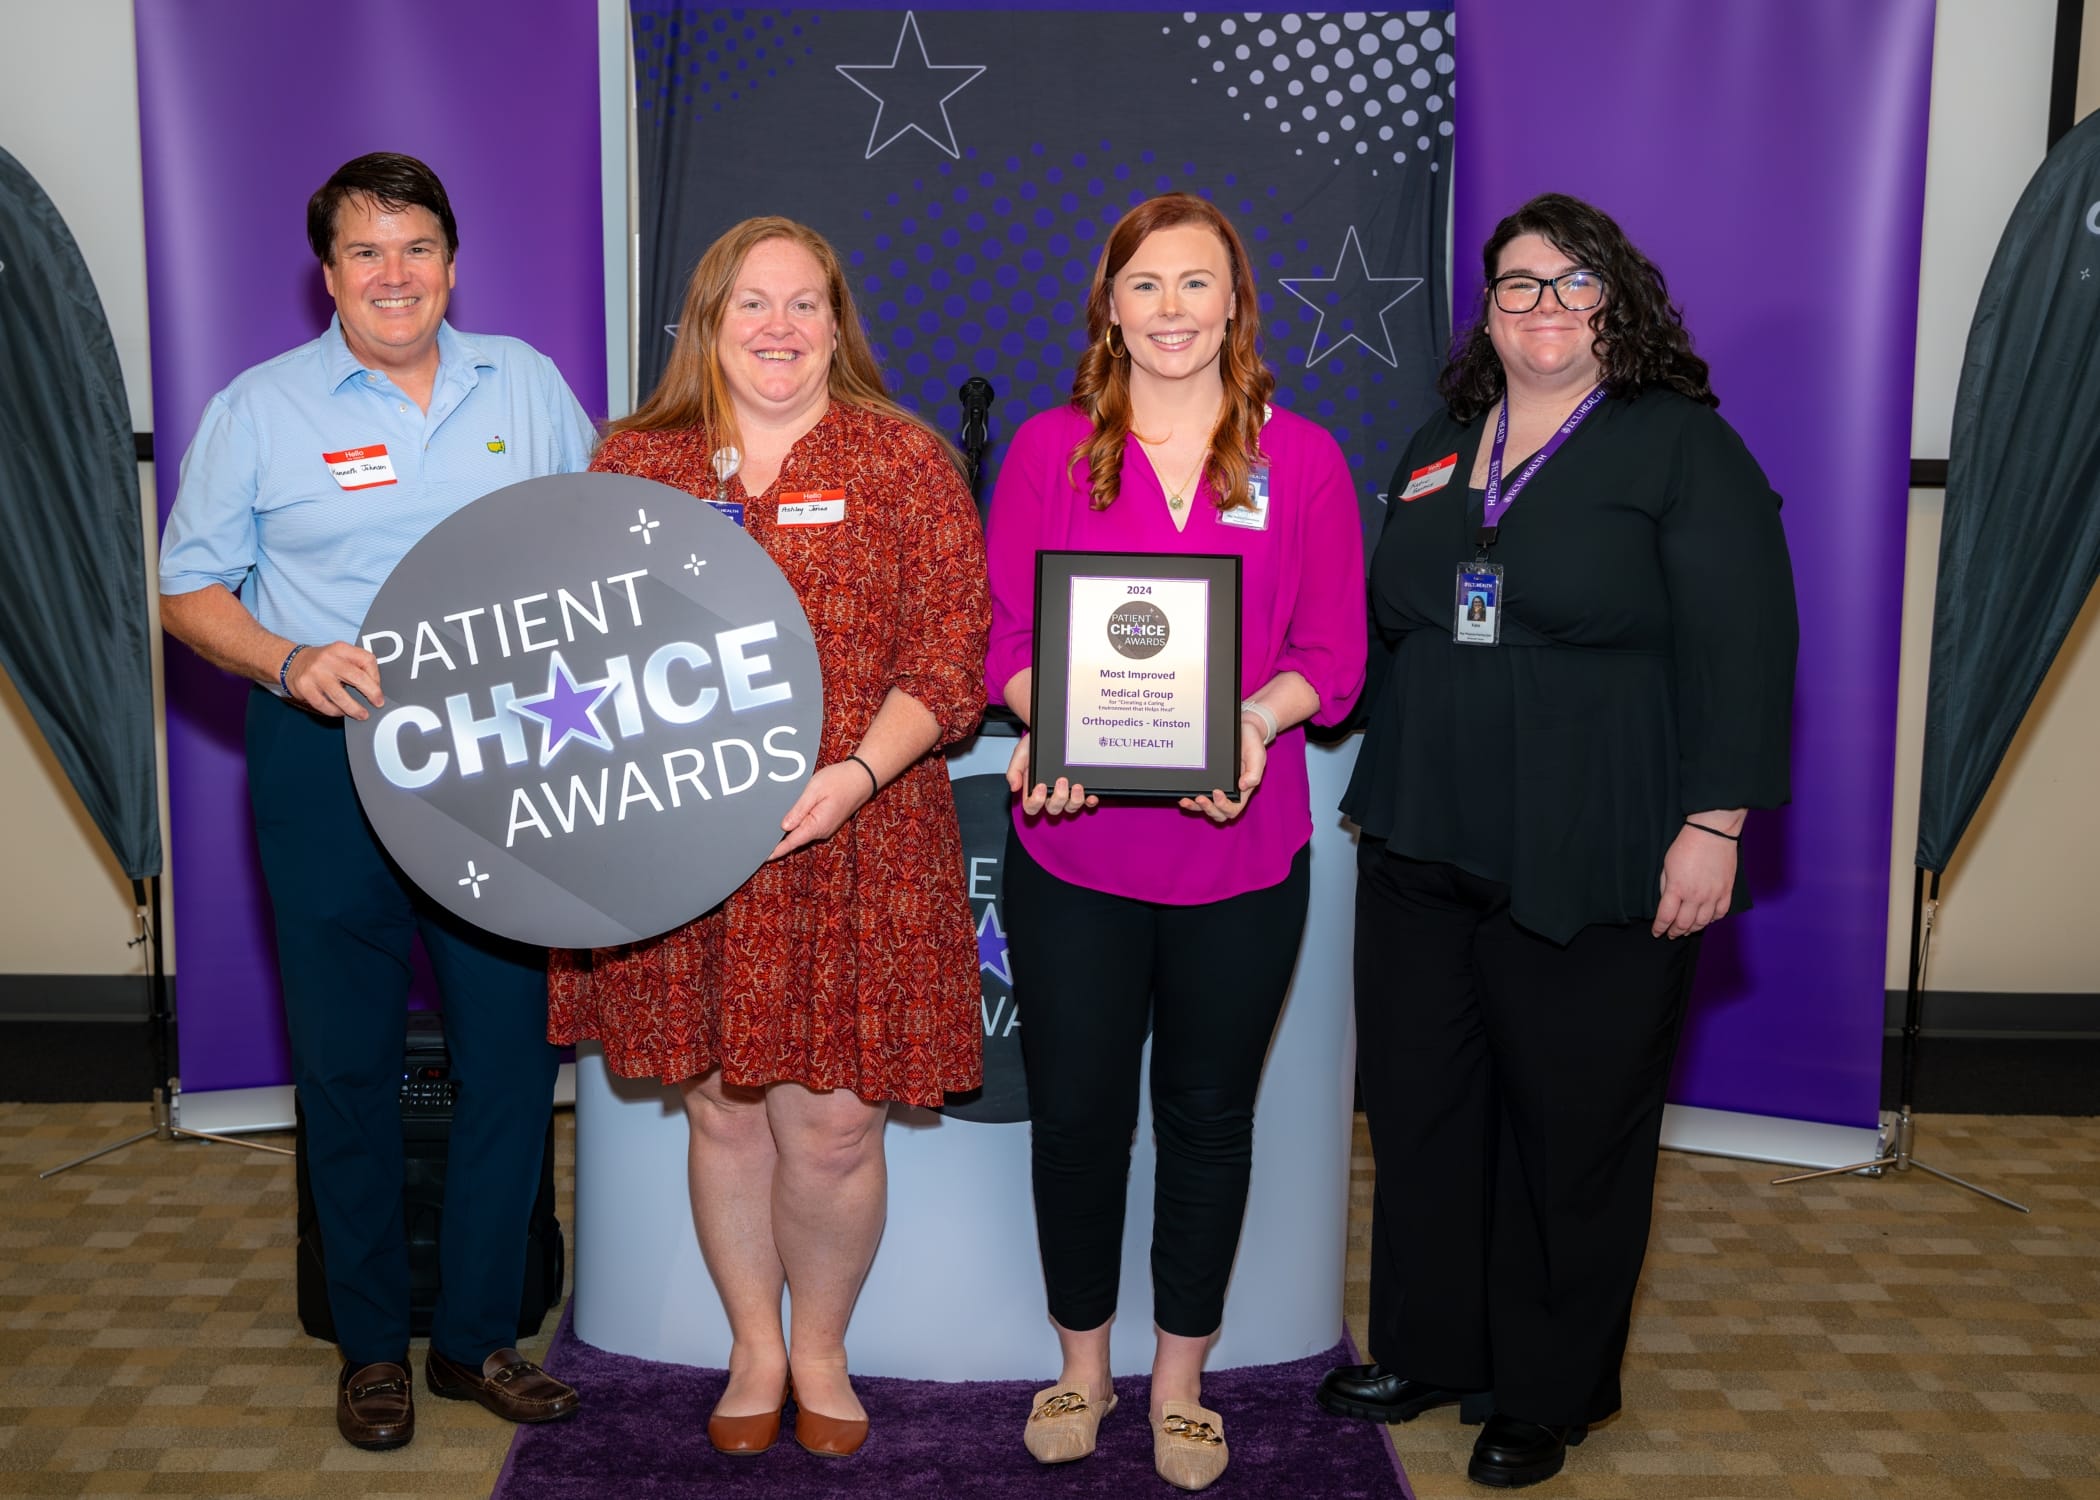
160 1021
1897 1134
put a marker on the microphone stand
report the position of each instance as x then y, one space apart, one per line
974 439
976 435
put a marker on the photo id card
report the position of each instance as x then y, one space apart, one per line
1479 605
1253 516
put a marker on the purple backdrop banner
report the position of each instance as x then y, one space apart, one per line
1769 155
245 108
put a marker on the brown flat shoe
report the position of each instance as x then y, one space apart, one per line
829 1437
375 1406
508 1384
746 1437
1064 1422
1188 1445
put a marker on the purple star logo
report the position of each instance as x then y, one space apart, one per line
991 946
569 711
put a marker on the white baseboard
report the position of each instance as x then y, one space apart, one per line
254 1111
1789 1143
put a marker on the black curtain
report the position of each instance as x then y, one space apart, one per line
2020 542
75 636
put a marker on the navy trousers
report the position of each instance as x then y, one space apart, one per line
345 919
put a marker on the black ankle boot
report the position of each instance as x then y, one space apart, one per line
1376 1394
1511 1452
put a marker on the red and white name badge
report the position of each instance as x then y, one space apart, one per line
1430 477
361 468
811 508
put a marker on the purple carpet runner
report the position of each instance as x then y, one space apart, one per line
642 1435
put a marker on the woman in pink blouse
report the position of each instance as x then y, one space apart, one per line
1181 919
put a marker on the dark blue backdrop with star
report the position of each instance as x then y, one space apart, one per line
968 165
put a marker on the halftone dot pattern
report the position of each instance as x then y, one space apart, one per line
1341 84
981 267
692 61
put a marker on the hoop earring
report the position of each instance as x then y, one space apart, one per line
1108 342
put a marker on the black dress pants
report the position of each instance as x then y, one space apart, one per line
1514 1089
1090 971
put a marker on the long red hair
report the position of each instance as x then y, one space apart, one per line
1101 384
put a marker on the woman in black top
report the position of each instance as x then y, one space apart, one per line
1550 801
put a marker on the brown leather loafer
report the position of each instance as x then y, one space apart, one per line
829 1437
746 1437
508 1384
375 1406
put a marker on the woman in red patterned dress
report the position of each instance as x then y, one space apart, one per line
843 975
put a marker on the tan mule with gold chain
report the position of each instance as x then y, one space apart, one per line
1188 1445
1064 1422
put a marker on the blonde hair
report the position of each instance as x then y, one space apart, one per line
1101 384
692 391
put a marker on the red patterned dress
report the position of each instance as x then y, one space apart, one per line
851 963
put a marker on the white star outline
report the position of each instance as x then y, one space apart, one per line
601 739
1408 286
876 140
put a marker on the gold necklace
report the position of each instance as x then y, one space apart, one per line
1178 496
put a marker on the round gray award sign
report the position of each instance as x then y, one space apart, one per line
601 699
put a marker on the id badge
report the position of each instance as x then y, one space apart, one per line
1254 516
1479 604
729 508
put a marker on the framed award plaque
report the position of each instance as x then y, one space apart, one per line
1137 673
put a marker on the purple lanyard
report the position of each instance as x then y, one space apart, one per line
1498 501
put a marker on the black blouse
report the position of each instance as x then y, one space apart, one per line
1646 668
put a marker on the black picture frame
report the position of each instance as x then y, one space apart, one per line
1050 709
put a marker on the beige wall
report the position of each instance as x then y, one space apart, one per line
69 113
2016 907
2089 61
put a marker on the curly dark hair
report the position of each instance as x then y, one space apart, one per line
1640 335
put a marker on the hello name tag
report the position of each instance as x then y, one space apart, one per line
1254 515
811 508
1430 477
361 468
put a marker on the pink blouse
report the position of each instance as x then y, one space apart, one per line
1302 580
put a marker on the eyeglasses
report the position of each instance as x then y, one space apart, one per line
1577 290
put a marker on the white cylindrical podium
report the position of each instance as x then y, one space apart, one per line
956 1290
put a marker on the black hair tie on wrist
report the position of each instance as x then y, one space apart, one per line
1733 838
874 781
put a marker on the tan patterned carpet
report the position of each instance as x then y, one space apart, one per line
1897 1338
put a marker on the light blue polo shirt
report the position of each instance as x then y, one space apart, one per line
287 499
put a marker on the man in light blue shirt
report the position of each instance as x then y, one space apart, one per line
309 478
